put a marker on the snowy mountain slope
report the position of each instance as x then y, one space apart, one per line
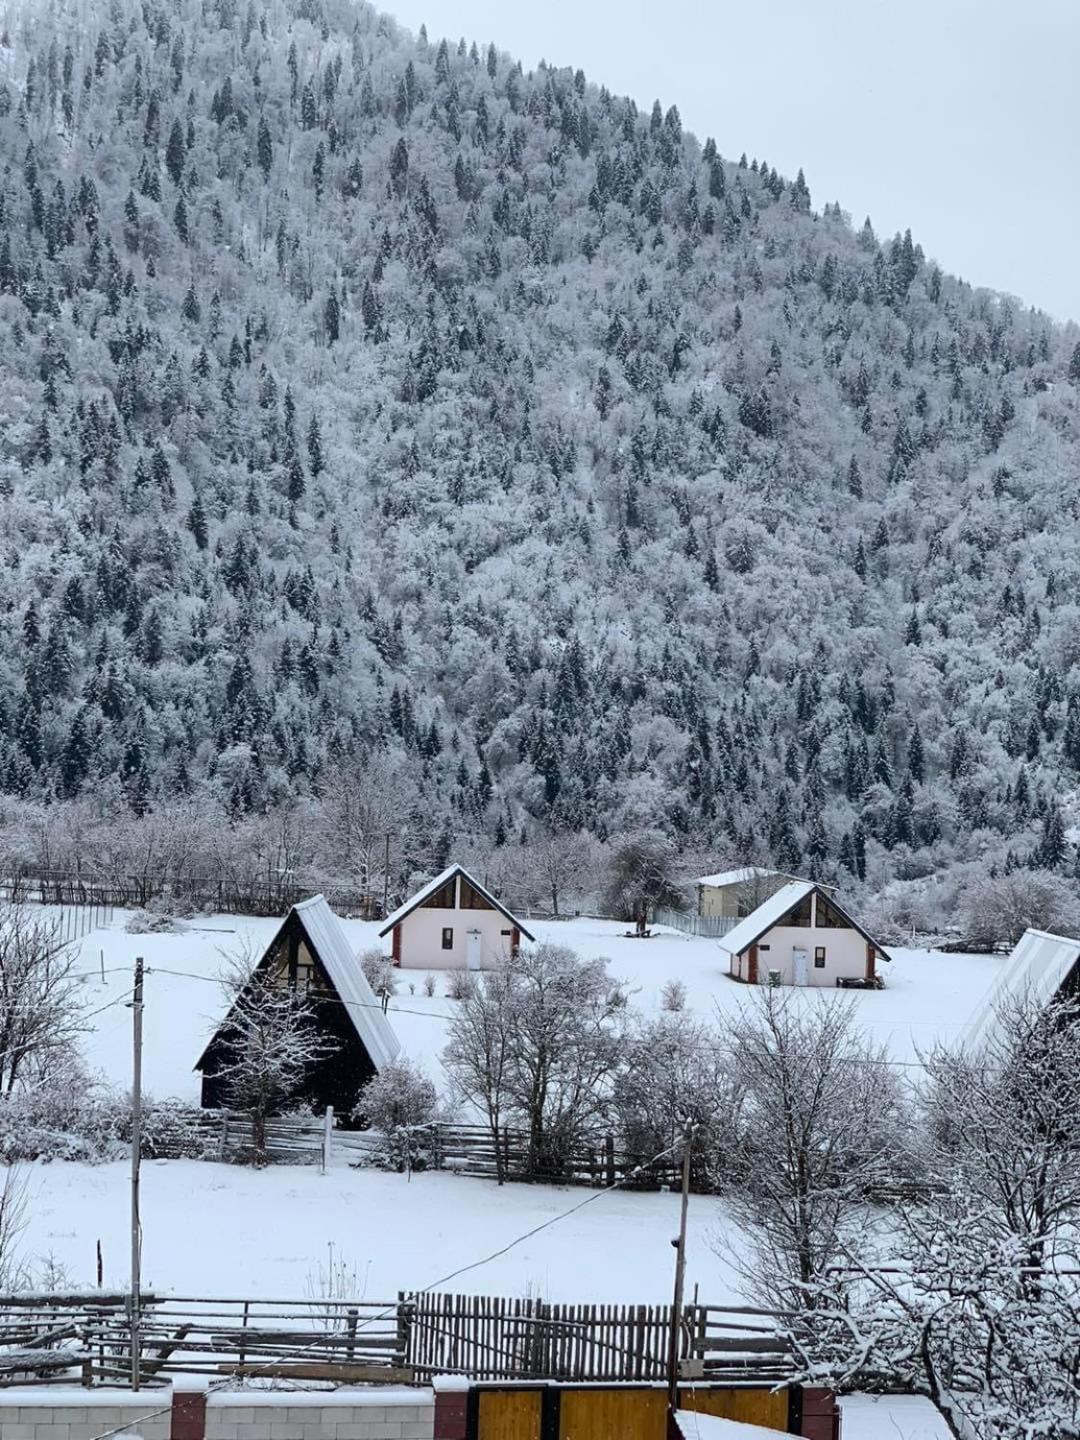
370 401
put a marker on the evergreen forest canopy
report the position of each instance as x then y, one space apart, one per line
372 406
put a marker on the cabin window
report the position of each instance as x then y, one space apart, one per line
764 947
443 898
819 957
447 938
800 915
471 899
828 917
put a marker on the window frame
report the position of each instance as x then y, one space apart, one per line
448 937
819 957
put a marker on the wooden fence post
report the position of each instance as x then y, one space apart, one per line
328 1140
609 1158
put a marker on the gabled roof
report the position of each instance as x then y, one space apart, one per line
770 912
736 877
434 885
330 946
1034 973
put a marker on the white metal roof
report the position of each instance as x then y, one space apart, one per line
769 913
736 877
1033 973
364 1010
426 891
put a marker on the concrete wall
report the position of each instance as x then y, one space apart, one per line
421 938
47 1413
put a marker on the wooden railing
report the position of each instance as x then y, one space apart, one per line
87 1339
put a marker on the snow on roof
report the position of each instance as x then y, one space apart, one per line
1034 972
892 1417
426 891
694 1426
333 949
769 913
736 877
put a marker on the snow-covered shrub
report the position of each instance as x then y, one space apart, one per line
429 985
673 996
401 1105
460 985
378 971
150 922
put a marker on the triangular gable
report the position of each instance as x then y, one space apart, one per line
774 911
329 948
433 886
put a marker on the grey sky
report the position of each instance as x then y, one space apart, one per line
953 117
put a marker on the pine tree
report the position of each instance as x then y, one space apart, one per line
1074 363
196 522
176 153
314 447
265 148
332 318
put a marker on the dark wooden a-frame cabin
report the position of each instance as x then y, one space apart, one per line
310 953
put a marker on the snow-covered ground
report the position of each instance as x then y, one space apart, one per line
221 1229
892 1417
928 995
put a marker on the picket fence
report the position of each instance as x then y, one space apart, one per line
712 927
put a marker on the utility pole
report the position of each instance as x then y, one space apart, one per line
136 1156
386 879
680 1278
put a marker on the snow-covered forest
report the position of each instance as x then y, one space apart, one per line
379 417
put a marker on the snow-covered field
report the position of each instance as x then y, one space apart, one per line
224 1230
929 996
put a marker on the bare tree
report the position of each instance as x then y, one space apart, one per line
675 1070
820 1123
642 872
479 1054
40 1005
14 1203
268 1043
997 910
537 1044
564 862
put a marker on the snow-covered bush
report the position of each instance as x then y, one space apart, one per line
85 1119
378 971
154 922
460 985
673 996
429 985
401 1105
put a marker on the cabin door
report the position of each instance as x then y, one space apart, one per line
473 941
800 967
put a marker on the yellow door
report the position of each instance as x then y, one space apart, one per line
509 1415
613 1415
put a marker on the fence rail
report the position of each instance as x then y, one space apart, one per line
407 1340
710 926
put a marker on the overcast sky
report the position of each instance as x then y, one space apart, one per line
954 117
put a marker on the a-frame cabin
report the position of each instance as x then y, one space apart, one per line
311 954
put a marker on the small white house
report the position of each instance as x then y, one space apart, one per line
801 936
453 923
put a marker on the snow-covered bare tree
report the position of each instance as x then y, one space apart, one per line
268 1041
40 1003
537 1045
821 1122
566 863
996 910
642 871
676 1069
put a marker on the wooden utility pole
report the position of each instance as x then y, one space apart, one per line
136 1156
386 879
680 1279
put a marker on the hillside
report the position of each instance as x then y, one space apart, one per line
375 409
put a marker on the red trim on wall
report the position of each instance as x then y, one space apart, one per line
188 1419
751 965
397 945
871 958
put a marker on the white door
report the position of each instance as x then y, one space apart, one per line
800 967
472 951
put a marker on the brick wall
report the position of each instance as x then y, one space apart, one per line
50 1414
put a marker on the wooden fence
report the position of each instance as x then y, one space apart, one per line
464 1149
47 1340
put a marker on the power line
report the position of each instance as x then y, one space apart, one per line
321 999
